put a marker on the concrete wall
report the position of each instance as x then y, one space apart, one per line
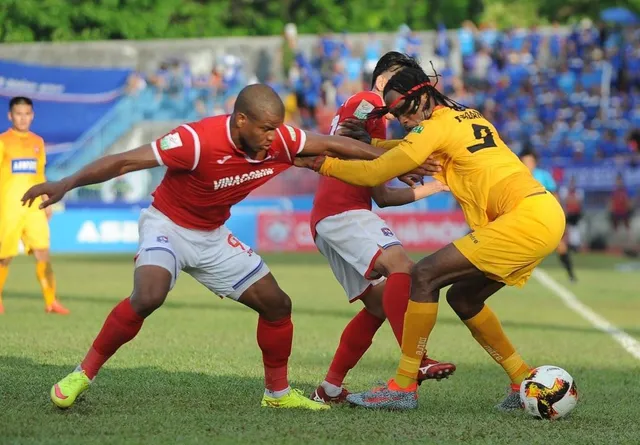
145 55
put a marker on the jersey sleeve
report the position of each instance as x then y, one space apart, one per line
179 149
360 107
408 154
387 144
293 140
377 128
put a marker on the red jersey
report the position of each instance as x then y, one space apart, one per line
207 174
573 203
620 201
334 196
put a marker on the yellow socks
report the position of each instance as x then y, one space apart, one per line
4 272
487 331
419 321
47 282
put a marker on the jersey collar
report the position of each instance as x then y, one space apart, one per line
240 152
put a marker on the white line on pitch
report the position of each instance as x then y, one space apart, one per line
630 344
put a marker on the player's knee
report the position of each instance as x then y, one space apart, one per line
151 286
372 301
276 306
423 275
41 255
393 260
461 305
267 299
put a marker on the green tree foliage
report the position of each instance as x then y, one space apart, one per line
62 20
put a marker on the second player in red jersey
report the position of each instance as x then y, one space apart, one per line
363 252
334 196
211 165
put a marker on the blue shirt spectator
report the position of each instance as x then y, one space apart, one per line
546 179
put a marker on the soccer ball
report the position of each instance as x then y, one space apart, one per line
548 392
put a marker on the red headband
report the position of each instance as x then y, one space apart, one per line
412 90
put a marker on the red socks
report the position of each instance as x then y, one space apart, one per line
121 326
275 339
395 299
354 342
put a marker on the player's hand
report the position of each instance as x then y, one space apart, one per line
311 162
430 167
354 129
52 191
412 180
440 187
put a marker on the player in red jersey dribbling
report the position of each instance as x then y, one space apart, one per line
211 165
364 254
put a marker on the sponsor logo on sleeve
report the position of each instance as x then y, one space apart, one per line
170 141
363 110
292 132
386 231
417 129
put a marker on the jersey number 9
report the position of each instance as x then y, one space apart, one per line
484 134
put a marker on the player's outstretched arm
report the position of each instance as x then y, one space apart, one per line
101 170
386 196
339 146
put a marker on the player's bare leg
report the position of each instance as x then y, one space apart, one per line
4 272
275 337
44 273
151 286
467 298
395 264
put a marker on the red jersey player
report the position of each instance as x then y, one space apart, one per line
364 254
211 165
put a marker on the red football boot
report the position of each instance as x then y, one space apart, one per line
320 395
432 369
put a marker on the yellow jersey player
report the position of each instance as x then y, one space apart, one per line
22 163
515 223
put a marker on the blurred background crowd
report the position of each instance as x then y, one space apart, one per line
572 93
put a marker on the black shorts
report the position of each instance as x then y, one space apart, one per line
620 219
573 218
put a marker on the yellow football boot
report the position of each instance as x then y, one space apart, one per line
66 391
294 399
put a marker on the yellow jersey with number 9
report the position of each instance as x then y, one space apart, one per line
484 175
22 163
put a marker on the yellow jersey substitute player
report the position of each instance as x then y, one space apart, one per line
515 223
22 164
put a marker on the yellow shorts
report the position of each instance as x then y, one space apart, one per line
509 248
31 227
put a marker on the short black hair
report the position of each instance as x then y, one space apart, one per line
258 99
20 100
390 60
412 83
528 150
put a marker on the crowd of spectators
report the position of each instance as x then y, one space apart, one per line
574 94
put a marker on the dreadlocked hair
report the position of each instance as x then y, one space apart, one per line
412 83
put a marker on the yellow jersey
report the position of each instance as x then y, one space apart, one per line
484 175
22 164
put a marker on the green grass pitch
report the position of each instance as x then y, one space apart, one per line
194 374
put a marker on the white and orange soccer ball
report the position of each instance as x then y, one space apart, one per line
548 392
